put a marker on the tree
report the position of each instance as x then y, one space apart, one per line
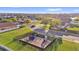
51 21
46 27
0 19
57 42
9 20
76 18
38 18
28 21
13 19
55 22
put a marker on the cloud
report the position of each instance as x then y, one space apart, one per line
54 9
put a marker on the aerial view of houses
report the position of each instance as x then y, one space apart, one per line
39 29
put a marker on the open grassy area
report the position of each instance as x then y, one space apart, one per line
73 29
7 40
66 46
69 46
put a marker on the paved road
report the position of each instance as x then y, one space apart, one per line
60 33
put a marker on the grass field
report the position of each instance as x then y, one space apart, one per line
73 29
69 46
7 40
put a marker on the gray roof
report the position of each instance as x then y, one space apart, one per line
50 33
58 33
40 31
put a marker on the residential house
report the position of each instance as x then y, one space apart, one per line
75 21
8 26
38 38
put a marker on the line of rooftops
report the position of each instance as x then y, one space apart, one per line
8 26
40 32
21 18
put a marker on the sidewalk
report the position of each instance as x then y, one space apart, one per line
71 38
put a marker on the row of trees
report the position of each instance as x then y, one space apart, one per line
51 21
47 20
8 20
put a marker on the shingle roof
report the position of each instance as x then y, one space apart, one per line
40 31
7 24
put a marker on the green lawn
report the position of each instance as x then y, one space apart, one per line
66 46
7 40
69 46
73 29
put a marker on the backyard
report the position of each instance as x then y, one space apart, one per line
7 40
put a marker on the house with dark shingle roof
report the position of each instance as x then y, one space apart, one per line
6 26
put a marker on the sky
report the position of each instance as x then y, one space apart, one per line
39 9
